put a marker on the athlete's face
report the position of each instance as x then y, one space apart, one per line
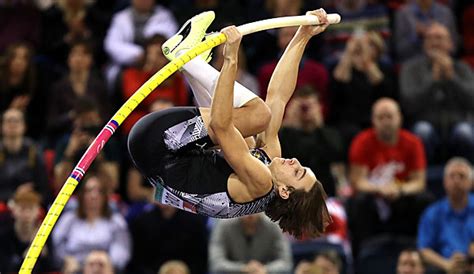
289 174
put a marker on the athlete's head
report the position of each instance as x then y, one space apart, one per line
300 206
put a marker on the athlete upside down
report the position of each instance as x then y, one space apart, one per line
175 149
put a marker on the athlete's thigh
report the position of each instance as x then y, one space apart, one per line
250 120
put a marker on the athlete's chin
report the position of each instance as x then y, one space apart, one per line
275 161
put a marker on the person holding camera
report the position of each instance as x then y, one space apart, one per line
360 78
86 126
80 82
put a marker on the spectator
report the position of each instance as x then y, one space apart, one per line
447 227
358 16
317 146
325 263
410 262
174 234
129 30
438 81
16 236
91 227
20 21
174 267
263 46
311 73
80 82
98 262
68 21
70 148
172 89
413 20
249 244
359 79
21 165
388 173
18 80
243 76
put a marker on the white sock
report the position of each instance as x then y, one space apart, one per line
201 75
201 95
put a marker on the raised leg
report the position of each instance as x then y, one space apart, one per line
250 119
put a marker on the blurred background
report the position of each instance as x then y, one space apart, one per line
383 113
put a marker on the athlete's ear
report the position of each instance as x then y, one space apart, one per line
284 192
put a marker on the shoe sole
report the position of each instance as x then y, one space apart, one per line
183 34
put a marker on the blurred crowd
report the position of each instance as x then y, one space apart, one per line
383 113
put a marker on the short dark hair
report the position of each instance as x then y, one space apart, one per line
306 91
412 249
87 46
303 213
155 39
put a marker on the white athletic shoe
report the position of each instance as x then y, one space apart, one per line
190 34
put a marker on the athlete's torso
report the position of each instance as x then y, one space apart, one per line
198 181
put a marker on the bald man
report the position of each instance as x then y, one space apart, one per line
387 171
437 93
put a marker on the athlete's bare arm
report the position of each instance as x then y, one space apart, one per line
283 83
254 179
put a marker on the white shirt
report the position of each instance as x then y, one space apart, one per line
119 43
76 237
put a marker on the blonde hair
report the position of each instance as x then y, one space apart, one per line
101 256
174 267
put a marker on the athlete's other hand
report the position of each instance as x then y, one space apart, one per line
231 47
314 30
